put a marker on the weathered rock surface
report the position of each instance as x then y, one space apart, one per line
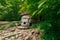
20 34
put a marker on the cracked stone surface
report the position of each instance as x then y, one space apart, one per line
19 34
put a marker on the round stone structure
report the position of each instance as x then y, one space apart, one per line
25 20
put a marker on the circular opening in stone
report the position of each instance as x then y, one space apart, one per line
24 22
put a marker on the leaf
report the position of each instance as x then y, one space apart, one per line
41 4
34 13
40 11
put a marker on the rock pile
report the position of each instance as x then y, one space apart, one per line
19 34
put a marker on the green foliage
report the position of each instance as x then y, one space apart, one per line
49 10
9 10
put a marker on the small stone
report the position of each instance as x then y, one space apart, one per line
17 36
34 38
6 38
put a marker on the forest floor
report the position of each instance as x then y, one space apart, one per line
14 33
